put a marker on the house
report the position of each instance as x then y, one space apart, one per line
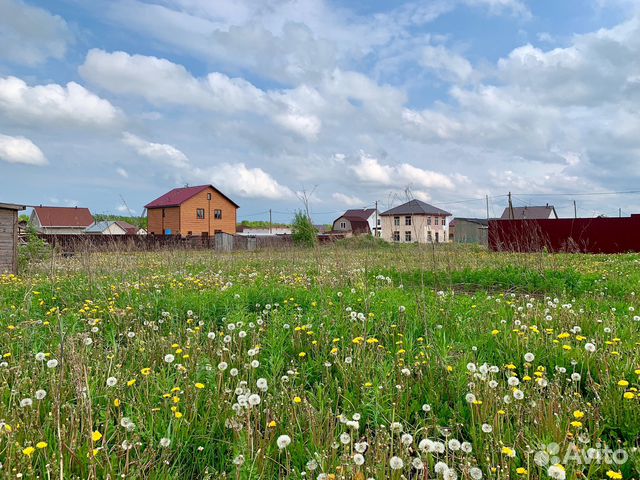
114 227
361 221
415 221
61 220
469 230
9 237
200 211
530 213
250 232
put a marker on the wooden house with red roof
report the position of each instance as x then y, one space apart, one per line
192 211
61 220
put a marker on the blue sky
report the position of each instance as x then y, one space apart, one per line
109 102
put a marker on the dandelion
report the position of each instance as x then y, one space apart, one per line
26 402
211 335
40 356
112 381
28 451
475 473
254 399
95 436
417 463
169 358
283 441
165 442
396 463
557 472
509 452
199 386
358 459
53 363
41 445
345 438
590 347
262 384
222 366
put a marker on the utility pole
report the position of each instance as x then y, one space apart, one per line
487 198
511 216
376 232
575 210
619 212
269 221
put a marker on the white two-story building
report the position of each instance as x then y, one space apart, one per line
415 221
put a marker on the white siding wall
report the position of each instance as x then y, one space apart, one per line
419 229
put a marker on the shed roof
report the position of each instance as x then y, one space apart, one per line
178 196
529 213
64 216
416 207
11 206
479 221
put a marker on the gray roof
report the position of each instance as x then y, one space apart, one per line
529 213
415 207
479 221
99 227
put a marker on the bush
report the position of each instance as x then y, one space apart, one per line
303 231
35 250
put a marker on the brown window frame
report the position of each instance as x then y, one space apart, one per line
200 214
217 214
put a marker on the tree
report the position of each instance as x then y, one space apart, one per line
304 233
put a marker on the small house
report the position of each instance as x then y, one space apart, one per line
192 211
415 221
61 220
361 221
9 237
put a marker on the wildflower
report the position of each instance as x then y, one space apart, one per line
116 402
169 358
53 363
475 473
529 357
417 463
199 386
165 442
509 452
557 472
522 471
283 441
145 371
26 402
577 414
297 400
614 475
40 356
358 459
262 384
396 463
28 451
131 382
41 445
111 381
345 438
623 383
95 436
590 347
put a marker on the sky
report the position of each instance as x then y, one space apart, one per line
110 103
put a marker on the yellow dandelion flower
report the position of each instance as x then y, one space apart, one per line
577 414
28 451
629 395
509 452
199 386
614 475
116 402
178 414
623 383
41 445
95 436
145 371
131 382
297 400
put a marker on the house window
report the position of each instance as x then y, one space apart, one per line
396 235
343 225
436 220
407 236
200 213
378 222
208 196
428 220
407 220
396 221
217 214
429 238
437 235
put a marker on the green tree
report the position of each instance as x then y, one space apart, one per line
303 231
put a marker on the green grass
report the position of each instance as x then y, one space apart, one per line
359 329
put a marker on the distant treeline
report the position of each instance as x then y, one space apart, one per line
140 222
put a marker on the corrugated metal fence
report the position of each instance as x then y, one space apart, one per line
586 235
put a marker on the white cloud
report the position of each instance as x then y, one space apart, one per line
53 104
20 150
348 200
497 7
122 208
158 152
447 64
30 35
244 181
122 172
370 170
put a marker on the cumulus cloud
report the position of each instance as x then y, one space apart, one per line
348 200
158 152
164 83
54 105
30 35
447 64
20 150
370 170
244 181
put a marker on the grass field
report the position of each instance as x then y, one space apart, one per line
354 361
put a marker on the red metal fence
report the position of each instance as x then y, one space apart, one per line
586 235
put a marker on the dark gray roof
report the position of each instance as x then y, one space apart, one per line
415 207
529 213
363 213
479 221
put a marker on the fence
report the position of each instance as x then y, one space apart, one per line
220 241
586 235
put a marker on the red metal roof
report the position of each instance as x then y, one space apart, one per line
64 216
178 196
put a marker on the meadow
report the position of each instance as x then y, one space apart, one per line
352 361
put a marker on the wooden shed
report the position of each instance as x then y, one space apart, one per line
9 237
